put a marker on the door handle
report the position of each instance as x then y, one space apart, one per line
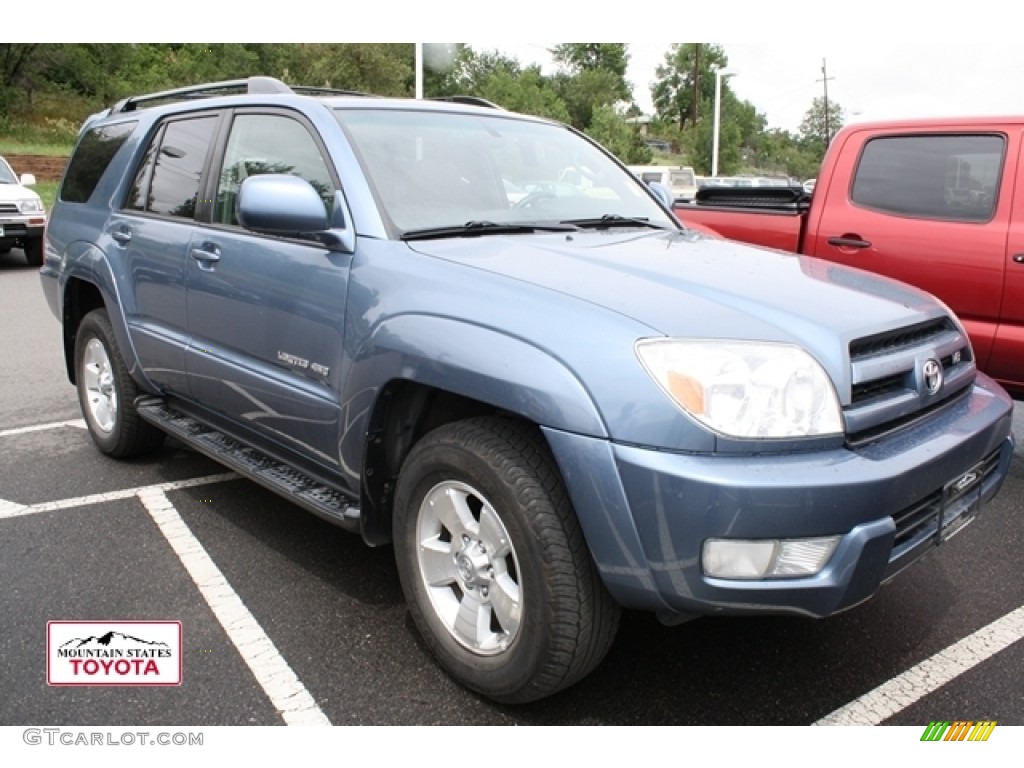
848 241
122 236
1019 258
208 254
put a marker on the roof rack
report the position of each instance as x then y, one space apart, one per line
250 85
473 100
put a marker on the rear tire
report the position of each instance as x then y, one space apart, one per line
493 563
106 392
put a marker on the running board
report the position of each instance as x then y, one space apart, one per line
283 479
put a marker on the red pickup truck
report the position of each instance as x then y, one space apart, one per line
938 203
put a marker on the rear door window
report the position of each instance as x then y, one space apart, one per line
167 182
937 176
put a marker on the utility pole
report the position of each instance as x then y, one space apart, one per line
696 83
824 79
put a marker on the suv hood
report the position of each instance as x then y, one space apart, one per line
12 192
684 284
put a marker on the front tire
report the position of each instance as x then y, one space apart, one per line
493 563
106 392
34 252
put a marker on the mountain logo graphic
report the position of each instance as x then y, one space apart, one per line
113 653
110 639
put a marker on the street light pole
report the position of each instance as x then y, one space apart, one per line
719 74
419 70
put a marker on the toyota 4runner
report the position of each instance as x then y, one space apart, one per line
554 402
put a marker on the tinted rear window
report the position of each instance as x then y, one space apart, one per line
938 176
94 153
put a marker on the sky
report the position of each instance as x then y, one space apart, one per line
913 79
884 58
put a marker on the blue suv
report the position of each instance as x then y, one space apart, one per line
475 336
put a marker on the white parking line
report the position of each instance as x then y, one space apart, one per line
80 423
931 674
279 682
11 509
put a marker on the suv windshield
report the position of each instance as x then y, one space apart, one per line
443 169
6 174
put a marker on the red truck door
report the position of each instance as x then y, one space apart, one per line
930 206
1007 360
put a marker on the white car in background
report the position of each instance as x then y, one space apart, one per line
681 180
22 215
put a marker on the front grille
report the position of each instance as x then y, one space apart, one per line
9 208
869 390
903 338
890 376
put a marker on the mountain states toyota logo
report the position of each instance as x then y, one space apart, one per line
113 653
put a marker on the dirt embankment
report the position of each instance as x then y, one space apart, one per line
44 167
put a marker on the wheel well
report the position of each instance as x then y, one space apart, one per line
405 411
80 298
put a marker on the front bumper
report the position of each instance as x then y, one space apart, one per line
17 228
646 514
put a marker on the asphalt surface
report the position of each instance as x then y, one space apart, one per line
334 612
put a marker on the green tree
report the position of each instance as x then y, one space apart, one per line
384 69
612 58
16 61
700 146
591 75
686 82
610 130
463 70
527 92
584 92
821 123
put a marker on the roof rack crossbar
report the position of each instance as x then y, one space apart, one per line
472 100
203 91
314 90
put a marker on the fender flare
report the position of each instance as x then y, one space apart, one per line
88 263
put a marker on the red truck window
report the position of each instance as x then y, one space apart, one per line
939 176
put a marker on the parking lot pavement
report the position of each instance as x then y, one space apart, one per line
287 619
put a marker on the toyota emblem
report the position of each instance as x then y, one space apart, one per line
932 372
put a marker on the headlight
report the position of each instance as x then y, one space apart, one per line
30 205
745 389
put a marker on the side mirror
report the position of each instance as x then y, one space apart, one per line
27 180
280 204
285 205
663 193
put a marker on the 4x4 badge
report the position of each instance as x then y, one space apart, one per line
932 372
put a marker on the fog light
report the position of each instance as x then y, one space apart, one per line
803 557
766 558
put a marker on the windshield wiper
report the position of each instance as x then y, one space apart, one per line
477 228
614 220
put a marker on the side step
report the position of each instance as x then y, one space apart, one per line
292 484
